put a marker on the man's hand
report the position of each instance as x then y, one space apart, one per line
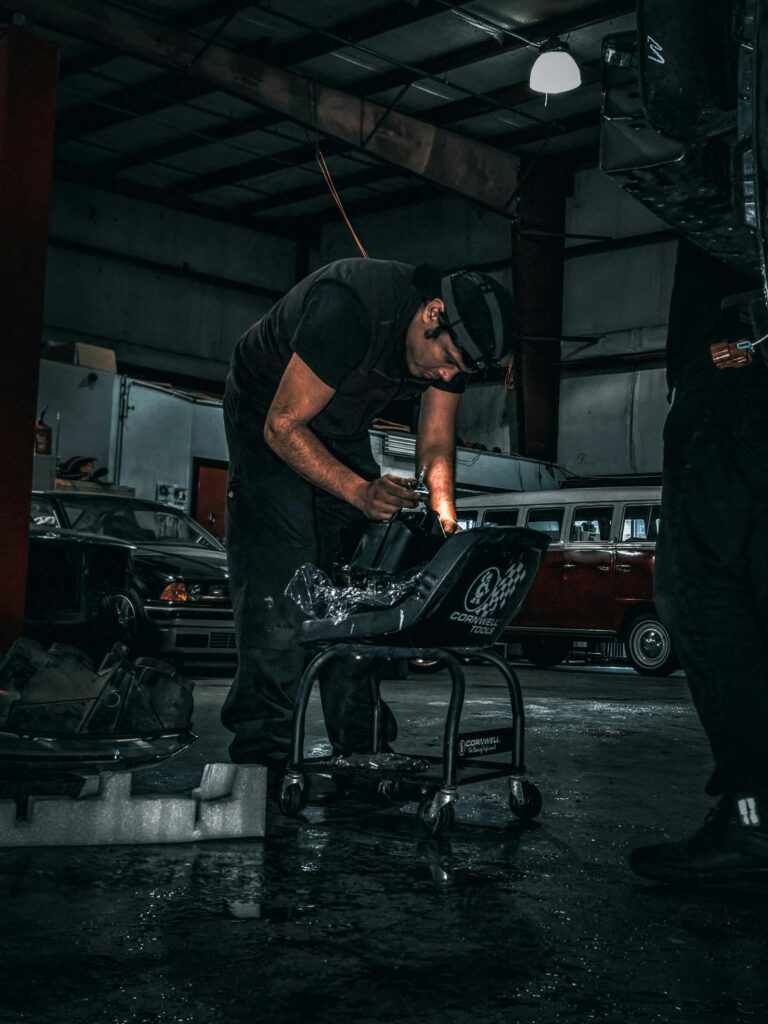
380 499
449 525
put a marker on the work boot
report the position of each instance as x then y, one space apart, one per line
732 843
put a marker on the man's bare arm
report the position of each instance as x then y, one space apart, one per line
436 450
300 396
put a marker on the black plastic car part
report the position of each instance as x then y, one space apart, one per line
58 714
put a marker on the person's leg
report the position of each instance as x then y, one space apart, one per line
344 683
270 532
710 592
707 586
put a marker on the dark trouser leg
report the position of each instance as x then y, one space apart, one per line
270 532
276 521
344 683
711 564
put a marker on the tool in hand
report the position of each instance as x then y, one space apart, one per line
733 355
419 485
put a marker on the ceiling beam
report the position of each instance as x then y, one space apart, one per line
170 88
473 169
448 113
573 160
262 165
303 154
361 179
455 111
509 140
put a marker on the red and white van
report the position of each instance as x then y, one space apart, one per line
596 580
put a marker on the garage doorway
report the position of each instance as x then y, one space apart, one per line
209 494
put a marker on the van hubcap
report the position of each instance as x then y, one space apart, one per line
650 645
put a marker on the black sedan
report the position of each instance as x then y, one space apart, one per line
177 604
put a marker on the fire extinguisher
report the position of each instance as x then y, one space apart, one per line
43 435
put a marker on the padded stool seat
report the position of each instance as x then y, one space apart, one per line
465 596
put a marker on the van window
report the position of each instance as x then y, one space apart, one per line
641 522
592 522
466 518
546 520
500 517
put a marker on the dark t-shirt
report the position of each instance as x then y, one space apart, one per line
332 335
348 321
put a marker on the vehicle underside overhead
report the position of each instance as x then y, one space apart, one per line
678 121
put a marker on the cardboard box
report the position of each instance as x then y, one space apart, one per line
77 353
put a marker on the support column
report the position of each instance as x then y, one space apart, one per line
28 81
537 268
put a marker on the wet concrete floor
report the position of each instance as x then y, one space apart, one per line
351 913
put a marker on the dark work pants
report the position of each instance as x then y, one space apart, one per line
712 562
277 521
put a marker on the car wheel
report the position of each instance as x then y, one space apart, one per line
649 647
130 616
546 653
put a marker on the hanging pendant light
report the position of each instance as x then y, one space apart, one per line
555 70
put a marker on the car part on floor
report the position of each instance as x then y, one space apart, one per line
57 714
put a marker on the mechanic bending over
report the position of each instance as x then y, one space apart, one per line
306 381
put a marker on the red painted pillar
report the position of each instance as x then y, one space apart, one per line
537 269
28 80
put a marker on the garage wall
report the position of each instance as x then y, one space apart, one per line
107 281
451 234
611 417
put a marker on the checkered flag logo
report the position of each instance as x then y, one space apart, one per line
506 586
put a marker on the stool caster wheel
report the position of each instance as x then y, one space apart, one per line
435 821
291 799
525 800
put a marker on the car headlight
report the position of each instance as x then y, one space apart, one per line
176 591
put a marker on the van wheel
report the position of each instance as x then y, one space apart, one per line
546 653
649 647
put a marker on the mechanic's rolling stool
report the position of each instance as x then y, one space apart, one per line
464 598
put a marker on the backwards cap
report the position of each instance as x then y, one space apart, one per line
479 312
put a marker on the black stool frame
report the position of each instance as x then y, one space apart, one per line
436 789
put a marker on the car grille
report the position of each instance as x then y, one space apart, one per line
213 641
191 640
223 641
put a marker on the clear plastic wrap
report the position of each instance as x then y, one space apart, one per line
319 598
